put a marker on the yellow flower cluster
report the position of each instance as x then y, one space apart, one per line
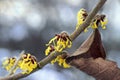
81 16
61 61
58 43
27 63
8 63
99 20
49 49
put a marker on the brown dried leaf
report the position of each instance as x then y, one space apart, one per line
92 47
86 59
99 68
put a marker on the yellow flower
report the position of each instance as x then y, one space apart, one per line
99 20
61 44
8 63
94 25
65 65
53 61
86 30
58 43
49 49
28 63
61 61
81 16
52 41
103 23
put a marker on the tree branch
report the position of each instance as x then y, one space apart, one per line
74 35
88 20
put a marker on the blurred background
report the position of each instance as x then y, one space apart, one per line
29 24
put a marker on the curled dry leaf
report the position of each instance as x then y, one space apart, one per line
99 68
90 58
92 47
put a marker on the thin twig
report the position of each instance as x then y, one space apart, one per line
73 36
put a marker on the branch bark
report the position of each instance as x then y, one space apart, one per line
74 35
88 20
